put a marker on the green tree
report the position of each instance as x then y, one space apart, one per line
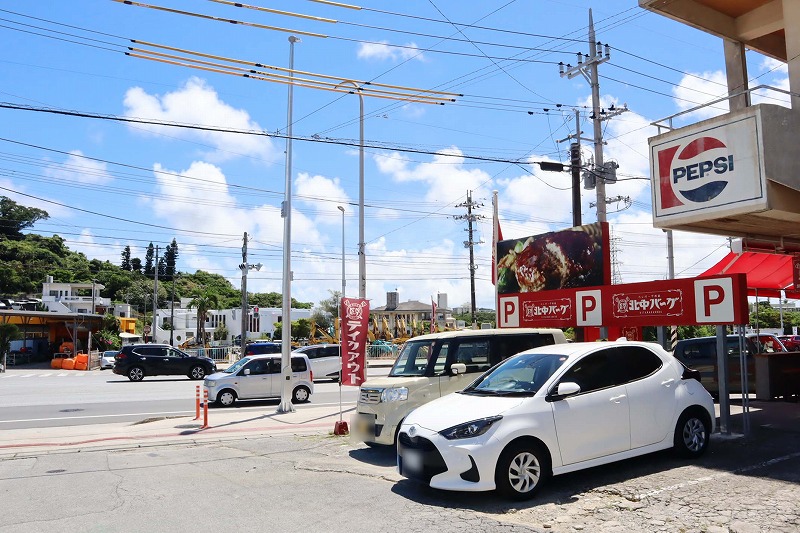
14 218
171 258
136 265
327 310
203 303
221 332
8 333
125 264
149 257
301 329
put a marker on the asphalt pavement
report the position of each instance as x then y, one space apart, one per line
258 470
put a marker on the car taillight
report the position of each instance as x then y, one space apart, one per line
120 356
311 373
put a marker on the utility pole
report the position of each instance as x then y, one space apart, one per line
155 298
587 67
575 167
243 266
471 245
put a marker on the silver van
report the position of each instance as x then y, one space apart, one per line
431 366
258 377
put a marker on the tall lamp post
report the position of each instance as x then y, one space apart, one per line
286 311
341 427
362 258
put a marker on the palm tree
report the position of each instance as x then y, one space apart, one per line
203 303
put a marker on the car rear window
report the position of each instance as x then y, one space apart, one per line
299 364
258 349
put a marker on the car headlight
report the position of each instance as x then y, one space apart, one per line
469 429
211 383
394 394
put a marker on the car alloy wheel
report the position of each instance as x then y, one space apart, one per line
136 374
691 434
521 469
197 372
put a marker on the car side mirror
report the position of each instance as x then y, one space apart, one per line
458 368
565 389
246 371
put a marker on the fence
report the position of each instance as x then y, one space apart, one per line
223 354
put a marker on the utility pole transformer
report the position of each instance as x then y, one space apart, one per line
470 218
587 67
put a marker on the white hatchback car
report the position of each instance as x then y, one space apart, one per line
258 377
553 410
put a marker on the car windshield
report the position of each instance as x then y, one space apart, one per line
522 375
412 359
235 367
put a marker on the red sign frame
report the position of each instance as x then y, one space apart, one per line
717 300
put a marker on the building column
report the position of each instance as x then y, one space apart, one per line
736 71
791 24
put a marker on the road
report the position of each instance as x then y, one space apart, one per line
37 398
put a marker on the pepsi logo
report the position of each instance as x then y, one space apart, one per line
695 172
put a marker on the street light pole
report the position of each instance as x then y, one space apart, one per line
362 258
286 312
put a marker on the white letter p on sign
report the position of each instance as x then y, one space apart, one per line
509 312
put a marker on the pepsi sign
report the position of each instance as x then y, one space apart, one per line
708 170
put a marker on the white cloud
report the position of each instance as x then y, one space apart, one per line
780 81
698 88
78 169
317 187
197 103
382 51
445 176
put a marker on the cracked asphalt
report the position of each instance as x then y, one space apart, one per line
323 482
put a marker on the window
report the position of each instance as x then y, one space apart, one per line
299 364
474 354
258 367
507 345
441 359
594 372
636 362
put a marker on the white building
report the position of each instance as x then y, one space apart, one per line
81 298
261 322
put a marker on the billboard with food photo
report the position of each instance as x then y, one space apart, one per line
576 257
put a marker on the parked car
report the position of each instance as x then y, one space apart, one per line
430 366
792 342
324 359
262 347
258 377
701 353
139 360
107 359
552 410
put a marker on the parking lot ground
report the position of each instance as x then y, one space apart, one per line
289 471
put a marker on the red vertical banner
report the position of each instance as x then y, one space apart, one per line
433 316
355 322
796 272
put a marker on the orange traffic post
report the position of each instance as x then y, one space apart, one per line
205 409
197 403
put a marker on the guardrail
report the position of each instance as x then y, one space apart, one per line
222 354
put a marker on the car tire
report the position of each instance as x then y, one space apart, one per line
301 394
136 373
197 372
226 398
692 433
522 469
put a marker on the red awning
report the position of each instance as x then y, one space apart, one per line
767 274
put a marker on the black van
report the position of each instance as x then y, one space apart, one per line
701 354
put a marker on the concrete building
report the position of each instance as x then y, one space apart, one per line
83 298
399 317
261 322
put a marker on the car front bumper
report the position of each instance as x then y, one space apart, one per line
462 465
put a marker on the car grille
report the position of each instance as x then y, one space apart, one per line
432 461
370 395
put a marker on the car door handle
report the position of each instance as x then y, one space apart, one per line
616 399
668 382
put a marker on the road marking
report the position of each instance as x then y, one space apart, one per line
27 375
94 416
705 479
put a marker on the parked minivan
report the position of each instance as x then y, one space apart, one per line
258 377
431 366
701 354
324 359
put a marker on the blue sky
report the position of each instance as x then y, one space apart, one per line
107 184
